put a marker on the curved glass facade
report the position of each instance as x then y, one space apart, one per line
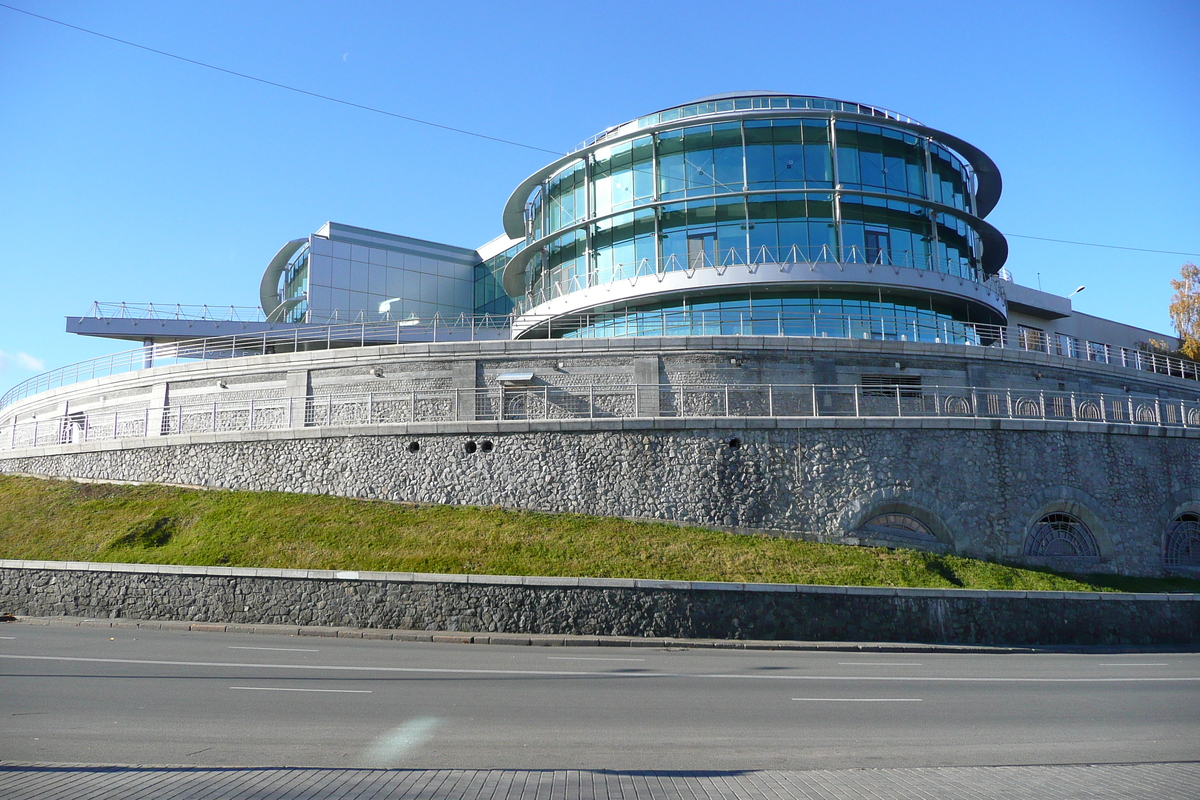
839 315
769 185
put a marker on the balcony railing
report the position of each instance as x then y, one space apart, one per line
287 338
104 310
601 402
749 259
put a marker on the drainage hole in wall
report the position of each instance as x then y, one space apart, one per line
486 445
414 447
470 447
734 444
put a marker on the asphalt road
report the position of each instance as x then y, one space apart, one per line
121 696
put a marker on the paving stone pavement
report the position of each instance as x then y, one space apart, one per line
1163 781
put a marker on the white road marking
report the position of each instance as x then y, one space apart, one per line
279 649
879 664
287 689
7 637
860 699
591 658
568 674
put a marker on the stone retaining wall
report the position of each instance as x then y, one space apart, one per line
589 606
978 485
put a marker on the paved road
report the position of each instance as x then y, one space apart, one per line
120 696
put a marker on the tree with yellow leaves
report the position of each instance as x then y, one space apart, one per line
1185 310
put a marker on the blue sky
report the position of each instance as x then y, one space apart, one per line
128 176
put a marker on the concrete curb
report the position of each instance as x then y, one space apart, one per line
564 640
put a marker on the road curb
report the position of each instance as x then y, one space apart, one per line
562 640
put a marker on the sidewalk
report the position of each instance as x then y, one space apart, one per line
1168 781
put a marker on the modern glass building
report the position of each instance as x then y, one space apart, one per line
750 213
757 206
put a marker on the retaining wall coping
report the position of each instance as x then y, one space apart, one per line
926 592
814 589
607 583
963 592
659 584
583 582
428 577
716 586
770 587
885 591
548 580
497 580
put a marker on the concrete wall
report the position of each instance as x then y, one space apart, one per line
588 606
584 362
978 485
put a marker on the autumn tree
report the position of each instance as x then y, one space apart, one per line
1185 310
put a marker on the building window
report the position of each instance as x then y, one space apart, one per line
1061 535
877 247
1182 548
1029 338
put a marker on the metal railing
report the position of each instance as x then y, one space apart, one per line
285 338
288 338
122 310
750 259
600 402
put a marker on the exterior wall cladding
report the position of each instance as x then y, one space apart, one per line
897 392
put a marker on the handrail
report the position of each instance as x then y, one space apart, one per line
544 402
123 310
750 259
288 338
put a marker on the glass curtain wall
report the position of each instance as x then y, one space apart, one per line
294 283
489 293
752 191
837 315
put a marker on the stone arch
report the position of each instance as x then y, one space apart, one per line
1060 534
1181 532
1056 520
896 516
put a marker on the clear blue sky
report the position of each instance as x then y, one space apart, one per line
128 176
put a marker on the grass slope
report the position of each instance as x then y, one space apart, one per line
68 521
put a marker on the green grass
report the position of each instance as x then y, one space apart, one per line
68 521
